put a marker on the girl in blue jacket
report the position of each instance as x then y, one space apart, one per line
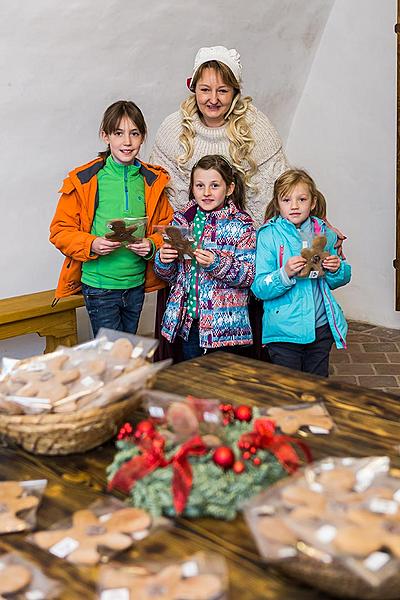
301 317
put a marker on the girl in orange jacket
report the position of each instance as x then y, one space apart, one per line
113 276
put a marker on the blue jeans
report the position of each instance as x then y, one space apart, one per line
114 309
191 347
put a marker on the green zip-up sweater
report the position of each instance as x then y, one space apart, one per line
121 194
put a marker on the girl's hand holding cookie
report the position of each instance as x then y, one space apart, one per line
168 254
141 248
331 263
102 246
294 265
205 258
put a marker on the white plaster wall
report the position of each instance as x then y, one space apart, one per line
343 132
63 63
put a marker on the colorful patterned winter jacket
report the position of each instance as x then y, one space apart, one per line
223 287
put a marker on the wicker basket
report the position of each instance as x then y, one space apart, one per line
66 433
335 579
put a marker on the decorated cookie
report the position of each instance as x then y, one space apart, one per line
179 242
168 584
83 541
14 579
291 420
14 501
122 232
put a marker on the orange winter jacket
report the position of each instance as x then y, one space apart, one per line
72 222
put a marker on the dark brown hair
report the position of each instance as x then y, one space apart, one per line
115 113
285 183
229 175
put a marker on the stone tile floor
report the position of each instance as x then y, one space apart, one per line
372 358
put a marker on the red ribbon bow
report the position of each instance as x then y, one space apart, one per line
264 437
152 457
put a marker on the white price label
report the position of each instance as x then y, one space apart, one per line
376 561
318 430
326 533
116 594
190 569
156 411
385 507
64 547
313 275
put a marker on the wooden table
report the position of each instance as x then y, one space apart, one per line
34 313
368 424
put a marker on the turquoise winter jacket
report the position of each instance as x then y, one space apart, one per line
289 310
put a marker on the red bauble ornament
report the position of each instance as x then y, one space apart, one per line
243 413
246 455
144 428
238 467
224 457
256 461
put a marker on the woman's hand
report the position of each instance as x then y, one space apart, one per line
205 258
294 265
331 263
141 248
168 254
102 246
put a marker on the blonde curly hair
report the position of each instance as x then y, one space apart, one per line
238 129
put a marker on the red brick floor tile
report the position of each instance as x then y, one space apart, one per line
359 326
387 334
380 347
358 369
354 347
344 379
376 381
361 337
339 357
387 369
367 357
394 357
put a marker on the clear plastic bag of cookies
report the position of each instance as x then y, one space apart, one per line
142 347
304 418
182 416
19 501
126 230
22 579
181 238
340 512
97 533
197 577
97 373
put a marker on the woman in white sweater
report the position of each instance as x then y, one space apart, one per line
217 119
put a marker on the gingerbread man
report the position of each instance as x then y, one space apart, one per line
121 232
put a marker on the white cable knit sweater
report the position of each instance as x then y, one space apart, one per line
268 154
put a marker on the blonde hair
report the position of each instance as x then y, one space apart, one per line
284 185
238 130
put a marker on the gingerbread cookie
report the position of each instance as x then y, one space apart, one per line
291 420
48 382
314 257
168 584
13 501
14 579
179 242
274 529
122 232
83 541
338 479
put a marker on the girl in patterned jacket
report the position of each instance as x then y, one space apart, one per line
208 303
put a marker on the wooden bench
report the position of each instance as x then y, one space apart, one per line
33 313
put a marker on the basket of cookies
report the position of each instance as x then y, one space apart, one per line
74 399
335 526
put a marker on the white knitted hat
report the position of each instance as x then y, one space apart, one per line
230 58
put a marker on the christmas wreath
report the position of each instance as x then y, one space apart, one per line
205 475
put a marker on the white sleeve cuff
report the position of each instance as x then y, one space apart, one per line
286 280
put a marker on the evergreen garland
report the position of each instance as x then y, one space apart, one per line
215 492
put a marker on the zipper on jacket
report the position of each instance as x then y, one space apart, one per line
281 256
126 188
333 317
